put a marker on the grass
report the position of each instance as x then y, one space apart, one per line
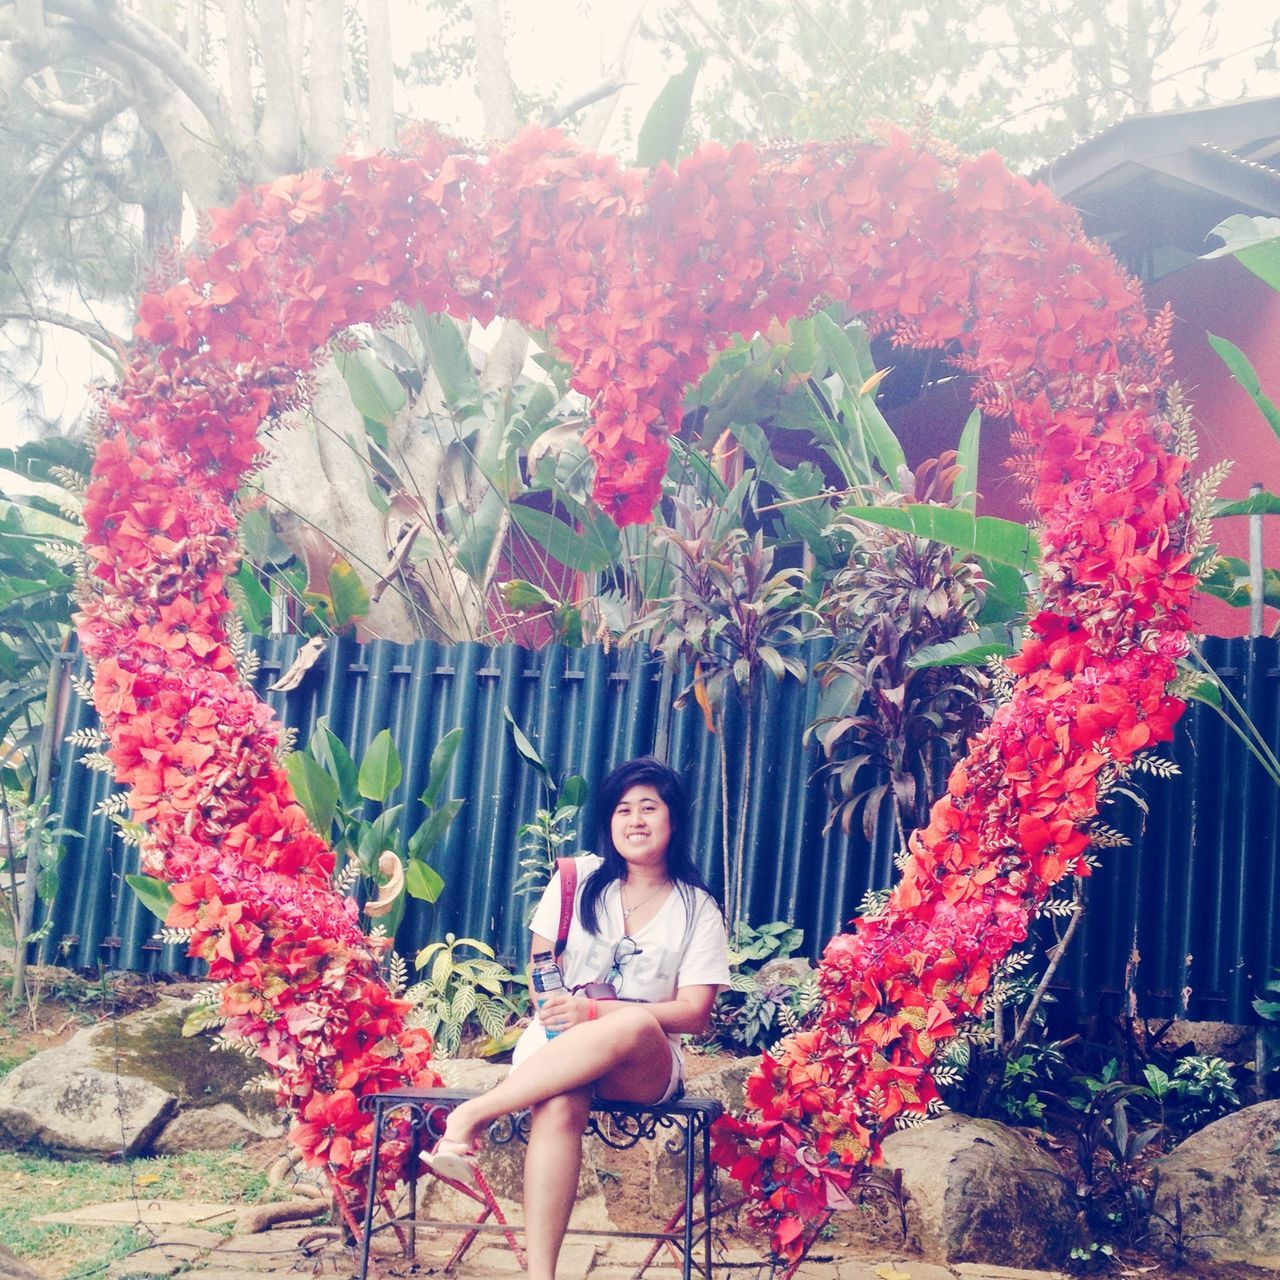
31 1186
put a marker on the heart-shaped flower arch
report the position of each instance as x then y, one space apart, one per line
638 278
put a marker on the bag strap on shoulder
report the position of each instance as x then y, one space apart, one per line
568 868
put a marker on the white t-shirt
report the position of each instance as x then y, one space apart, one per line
676 948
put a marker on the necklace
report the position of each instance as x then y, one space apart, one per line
628 912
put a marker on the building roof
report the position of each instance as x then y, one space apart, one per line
1154 185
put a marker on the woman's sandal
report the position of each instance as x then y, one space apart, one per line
452 1160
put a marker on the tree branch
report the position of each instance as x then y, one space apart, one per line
766 119
30 15
1056 954
97 117
240 89
557 115
18 61
165 54
87 328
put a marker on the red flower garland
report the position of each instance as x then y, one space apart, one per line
638 278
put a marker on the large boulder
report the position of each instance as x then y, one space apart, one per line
980 1191
1226 1178
113 1087
58 1102
151 1045
221 1127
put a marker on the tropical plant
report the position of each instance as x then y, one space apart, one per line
761 1004
553 828
757 945
459 989
373 858
36 835
731 618
1004 1064
41 486
816 378
1108 1150
455 475
889 727
40 536
1203 1088
1267 1007
373 853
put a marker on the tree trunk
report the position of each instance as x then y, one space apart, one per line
382 124
319 476
278 134
1140 73
239 84
161 203
327 130
493 72
595 121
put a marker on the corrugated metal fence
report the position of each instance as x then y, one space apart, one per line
1183 921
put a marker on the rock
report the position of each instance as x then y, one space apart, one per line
217 1128
786 971
68 1098
57 1102
150 1045
1227 1179
470 1073
725 1083
13 1268
980 1191
173 1253
1218 1039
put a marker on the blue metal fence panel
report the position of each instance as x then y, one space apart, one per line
1182 922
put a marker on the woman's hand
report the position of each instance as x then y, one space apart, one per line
558 1010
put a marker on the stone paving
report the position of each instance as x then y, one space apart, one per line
187 1241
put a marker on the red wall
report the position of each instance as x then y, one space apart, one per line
1220 297
1224 298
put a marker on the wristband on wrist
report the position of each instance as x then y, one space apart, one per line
592 1010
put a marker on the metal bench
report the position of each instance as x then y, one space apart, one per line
687 1121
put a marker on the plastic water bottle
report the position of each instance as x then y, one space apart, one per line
546 977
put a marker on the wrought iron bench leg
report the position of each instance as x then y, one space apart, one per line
371 1195
688 1198
707 1187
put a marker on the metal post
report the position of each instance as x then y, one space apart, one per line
707 1179
39 814
690 1122
372 1194
1255 568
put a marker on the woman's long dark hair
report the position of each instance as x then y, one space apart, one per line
651 772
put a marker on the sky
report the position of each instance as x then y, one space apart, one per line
562 47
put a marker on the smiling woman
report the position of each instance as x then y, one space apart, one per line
643 921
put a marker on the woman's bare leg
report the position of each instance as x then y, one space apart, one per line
551 1176
627 1052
